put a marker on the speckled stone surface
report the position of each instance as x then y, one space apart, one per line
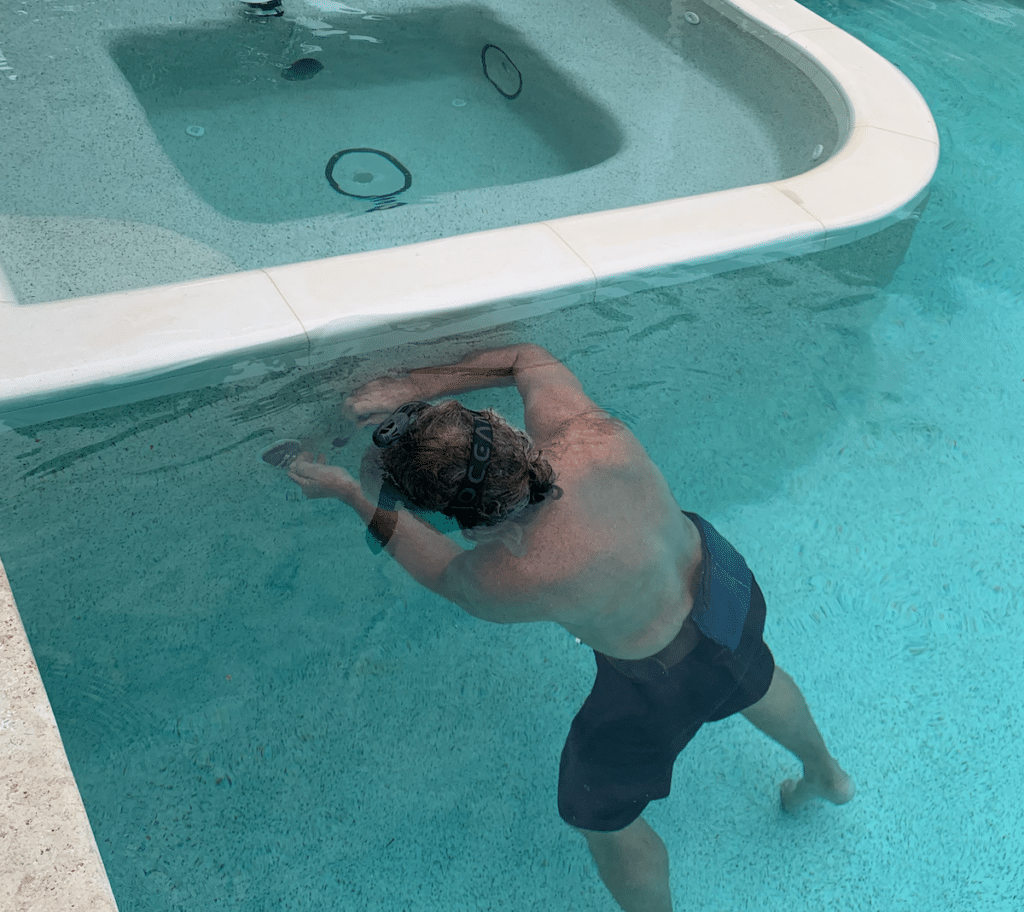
48 856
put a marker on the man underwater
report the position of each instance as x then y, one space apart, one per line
573 523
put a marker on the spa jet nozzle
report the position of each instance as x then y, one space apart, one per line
267 8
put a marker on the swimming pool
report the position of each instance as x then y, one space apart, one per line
247 698
629 221
856 429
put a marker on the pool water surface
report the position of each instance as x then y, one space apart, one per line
261 715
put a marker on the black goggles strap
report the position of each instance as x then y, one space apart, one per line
467 498
468 495
385 518
384 521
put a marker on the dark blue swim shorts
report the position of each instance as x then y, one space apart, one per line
641 714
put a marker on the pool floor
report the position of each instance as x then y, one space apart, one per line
267 717
443 108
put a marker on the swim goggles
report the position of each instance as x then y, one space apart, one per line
465 501
397 424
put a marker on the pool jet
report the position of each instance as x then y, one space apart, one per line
268 8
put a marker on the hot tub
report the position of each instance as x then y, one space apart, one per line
714 136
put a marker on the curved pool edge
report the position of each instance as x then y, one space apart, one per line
78 352
876 177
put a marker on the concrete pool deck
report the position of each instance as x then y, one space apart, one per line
70 356
48 855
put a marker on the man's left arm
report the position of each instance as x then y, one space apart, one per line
423 551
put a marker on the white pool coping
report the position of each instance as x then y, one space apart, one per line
180 336
75 353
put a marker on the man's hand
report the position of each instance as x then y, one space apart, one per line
320 480
374 401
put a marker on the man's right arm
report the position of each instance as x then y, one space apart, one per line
551 392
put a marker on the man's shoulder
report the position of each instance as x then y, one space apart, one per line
484 583
594 438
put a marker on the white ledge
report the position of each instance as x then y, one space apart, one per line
49 861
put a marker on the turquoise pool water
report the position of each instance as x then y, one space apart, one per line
262 716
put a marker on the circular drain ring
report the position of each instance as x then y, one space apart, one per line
506 60
406 174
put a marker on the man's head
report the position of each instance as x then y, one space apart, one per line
428 455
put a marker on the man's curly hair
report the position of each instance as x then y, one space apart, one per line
429 463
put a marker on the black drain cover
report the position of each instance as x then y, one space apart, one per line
367 174
501 71
303 68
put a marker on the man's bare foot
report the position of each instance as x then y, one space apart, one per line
836 787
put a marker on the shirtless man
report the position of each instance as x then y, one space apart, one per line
574 524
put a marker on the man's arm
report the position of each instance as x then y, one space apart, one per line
429 557
423 551
551 392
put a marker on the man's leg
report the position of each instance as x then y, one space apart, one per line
782 714
633 863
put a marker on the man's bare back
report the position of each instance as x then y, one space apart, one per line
614 560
